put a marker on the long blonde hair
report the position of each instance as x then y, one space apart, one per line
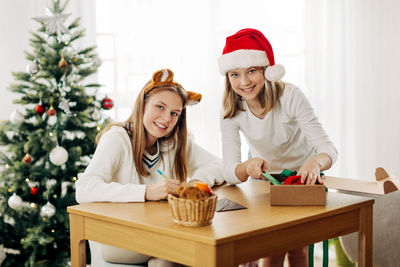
269 95
177 138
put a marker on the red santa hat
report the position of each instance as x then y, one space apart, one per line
249 48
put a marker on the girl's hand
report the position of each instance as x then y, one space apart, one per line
161 189
256 166
252 167
310 172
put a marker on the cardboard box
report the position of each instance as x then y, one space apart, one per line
298 195
383 184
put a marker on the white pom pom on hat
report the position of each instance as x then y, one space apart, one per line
274 73
249 48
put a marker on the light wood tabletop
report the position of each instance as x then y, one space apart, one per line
234 237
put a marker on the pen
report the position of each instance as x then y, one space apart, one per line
162 174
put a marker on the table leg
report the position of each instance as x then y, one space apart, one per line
78 244
365 251
208 255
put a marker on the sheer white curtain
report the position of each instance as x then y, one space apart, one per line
353 77
137 37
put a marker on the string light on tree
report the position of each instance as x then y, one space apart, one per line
64 38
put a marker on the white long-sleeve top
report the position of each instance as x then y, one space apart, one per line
111 174
285 138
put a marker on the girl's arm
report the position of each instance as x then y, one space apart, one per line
231 152
96 185
236 171
298 107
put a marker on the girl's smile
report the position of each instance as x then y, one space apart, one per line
248 90
247 82
161 114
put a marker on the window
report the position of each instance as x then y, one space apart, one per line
138 37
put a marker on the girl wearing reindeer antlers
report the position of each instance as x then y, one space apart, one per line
128 155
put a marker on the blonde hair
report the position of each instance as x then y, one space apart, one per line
269 95
177 138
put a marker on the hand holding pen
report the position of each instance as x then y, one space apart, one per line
161 189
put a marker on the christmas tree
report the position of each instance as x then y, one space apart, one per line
48 140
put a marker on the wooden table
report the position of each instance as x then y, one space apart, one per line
234 237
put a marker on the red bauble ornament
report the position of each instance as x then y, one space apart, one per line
34 190
40 109
107 103
27 158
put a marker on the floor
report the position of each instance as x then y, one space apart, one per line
318 254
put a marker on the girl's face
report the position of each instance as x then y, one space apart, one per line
161 113
247 82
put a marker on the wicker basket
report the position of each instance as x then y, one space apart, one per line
190 212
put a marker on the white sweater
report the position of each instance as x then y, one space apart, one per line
285 138
112 176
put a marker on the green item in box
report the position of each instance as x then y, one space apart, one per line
271 179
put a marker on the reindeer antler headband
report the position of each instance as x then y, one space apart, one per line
165 77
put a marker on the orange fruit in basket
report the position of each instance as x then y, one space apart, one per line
203 186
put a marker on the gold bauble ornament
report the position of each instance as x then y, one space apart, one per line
62 64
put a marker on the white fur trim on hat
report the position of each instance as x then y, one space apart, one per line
243 58
274 73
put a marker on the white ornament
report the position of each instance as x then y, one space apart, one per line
54 22
58 156
52 120
47 210
96 115
32 68
14 201
97 61
16 117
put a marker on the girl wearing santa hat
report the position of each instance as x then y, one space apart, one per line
125 165
276 119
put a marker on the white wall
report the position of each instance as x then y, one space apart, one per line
16 22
